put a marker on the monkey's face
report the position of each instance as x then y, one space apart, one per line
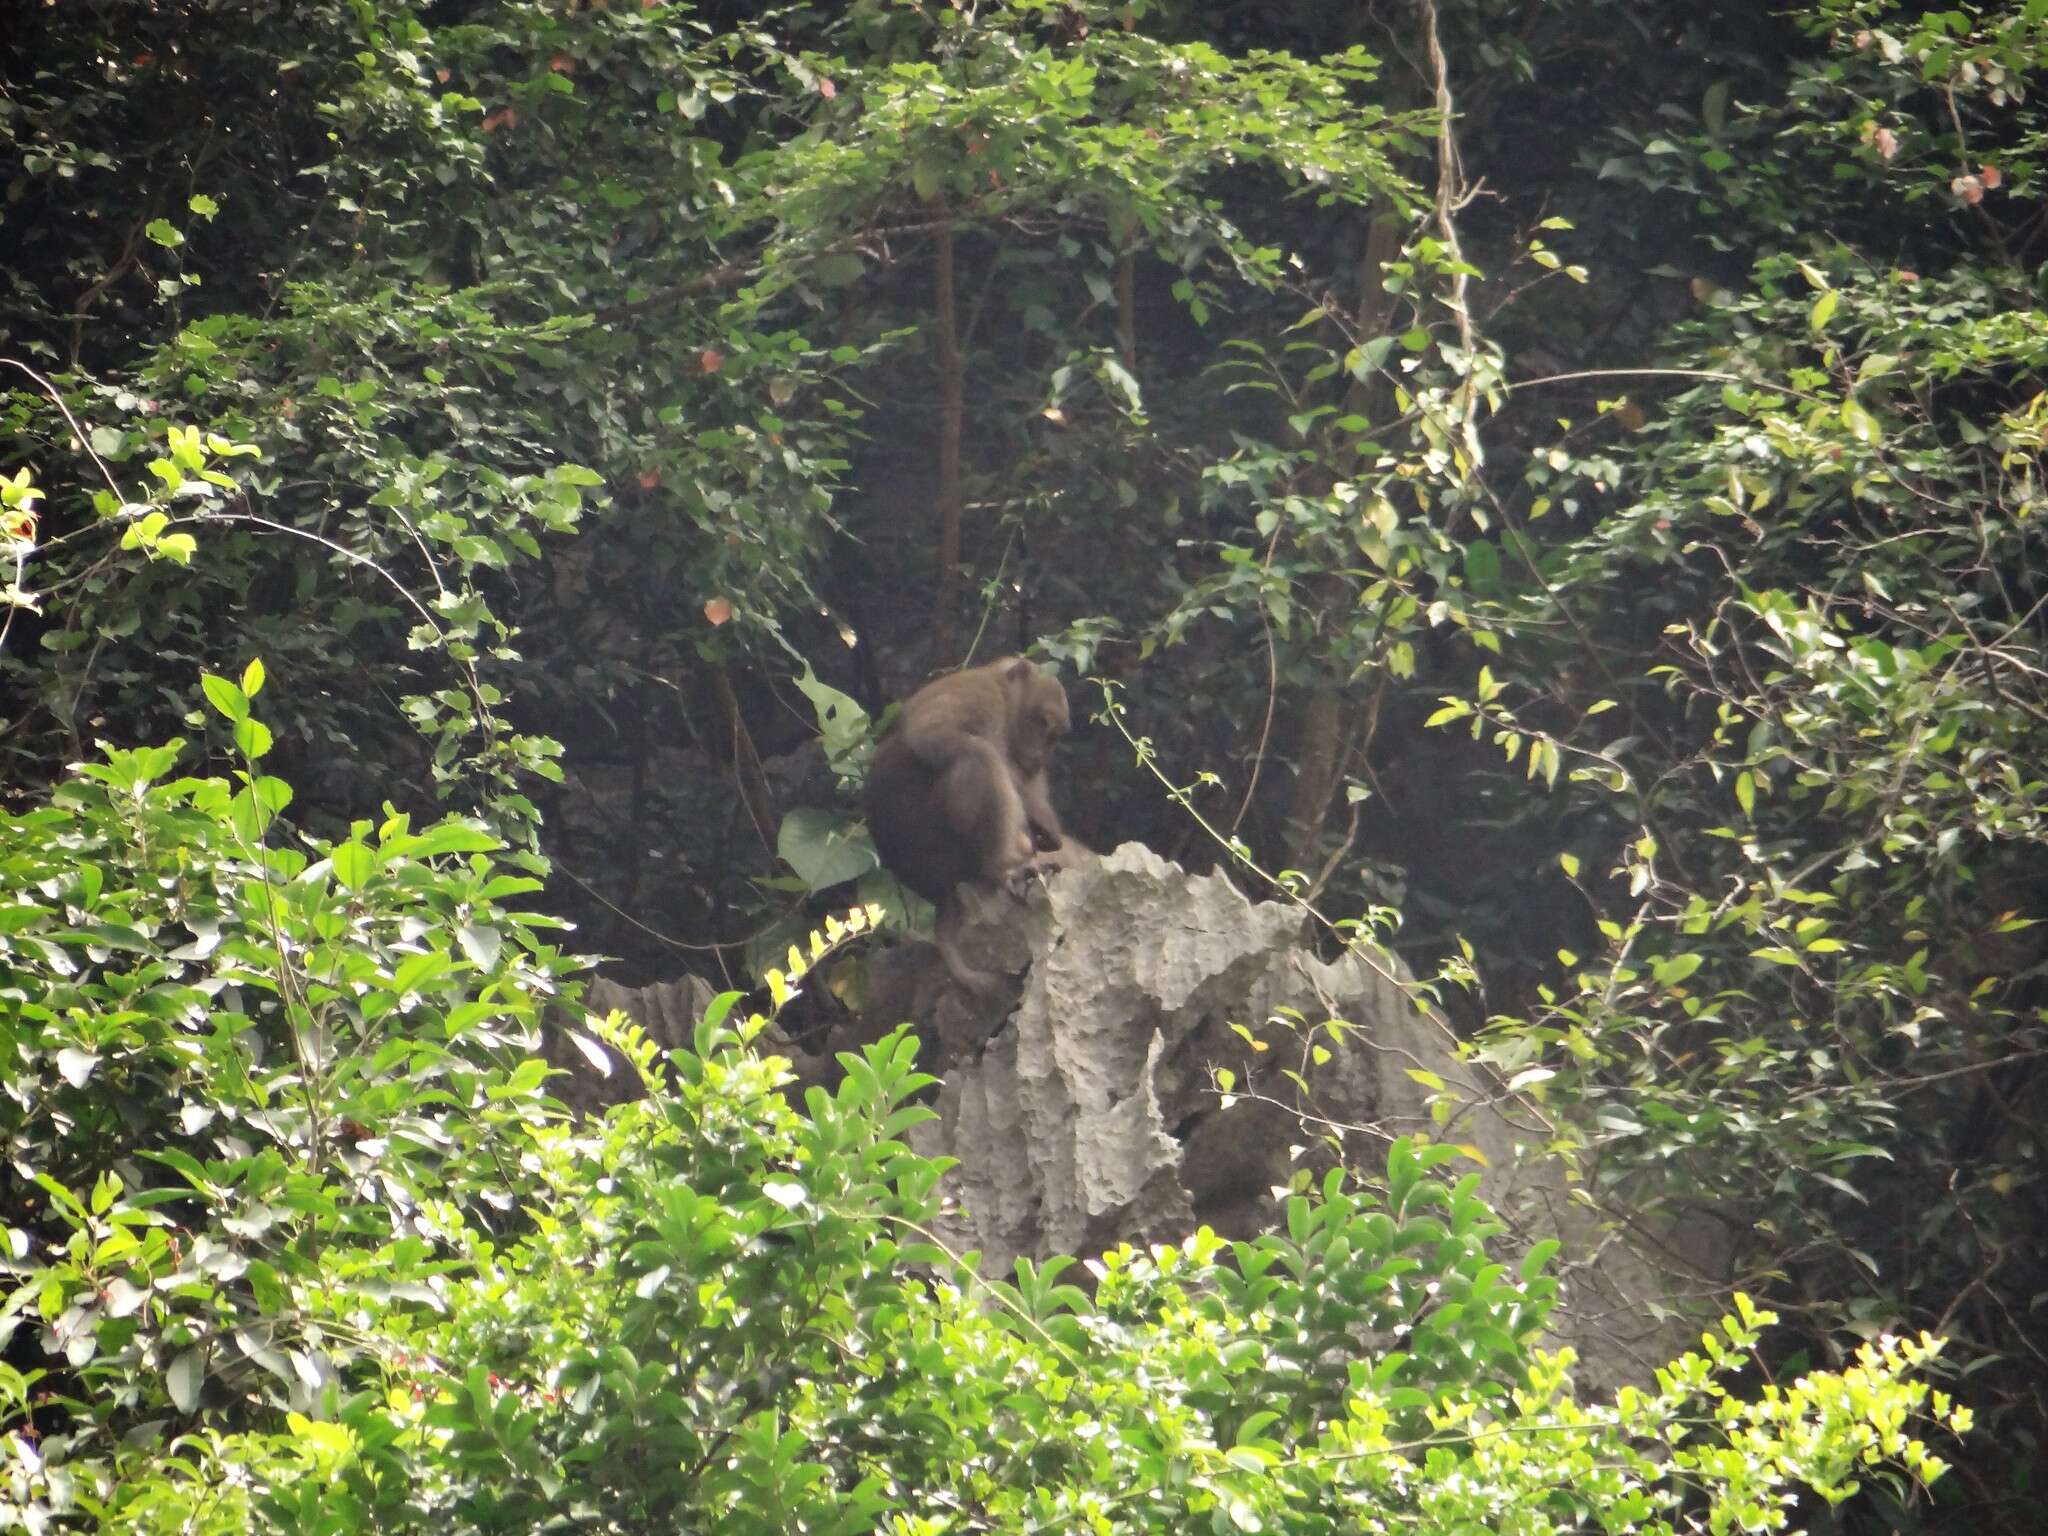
1041 721
1054 720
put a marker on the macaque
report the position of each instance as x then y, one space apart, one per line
958 792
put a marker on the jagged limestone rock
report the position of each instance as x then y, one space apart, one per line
1090 1115
1081 1107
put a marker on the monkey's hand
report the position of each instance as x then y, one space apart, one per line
1046 862
1067 853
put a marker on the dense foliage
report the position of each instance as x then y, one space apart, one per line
302 1248
1584 459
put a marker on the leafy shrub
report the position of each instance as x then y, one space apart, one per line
298 1243
250 1084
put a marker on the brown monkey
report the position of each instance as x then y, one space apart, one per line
958 791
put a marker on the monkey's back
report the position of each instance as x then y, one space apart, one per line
917 842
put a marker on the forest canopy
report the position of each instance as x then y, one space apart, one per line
1553 486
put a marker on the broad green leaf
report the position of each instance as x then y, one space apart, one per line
822 848
225 696
186 1374
838 270
1676 968
354 865
481 943
252 738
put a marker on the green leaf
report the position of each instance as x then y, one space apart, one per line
1370 357
272 794
249 816
164 233
184 1378
1482 566
1714 106
252 678
837 270
450 837
415 971
252 738
526 1078
354 865
1539 1255
225 696
481 943
478 550
1675 969
822 847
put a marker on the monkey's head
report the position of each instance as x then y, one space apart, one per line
1038 713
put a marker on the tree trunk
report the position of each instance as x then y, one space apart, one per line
1127 311
1330 716
952 409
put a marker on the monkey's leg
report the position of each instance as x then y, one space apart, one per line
980 799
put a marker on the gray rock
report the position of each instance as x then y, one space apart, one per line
1083 1109
1091 1115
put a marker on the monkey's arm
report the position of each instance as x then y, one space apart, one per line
1037 796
